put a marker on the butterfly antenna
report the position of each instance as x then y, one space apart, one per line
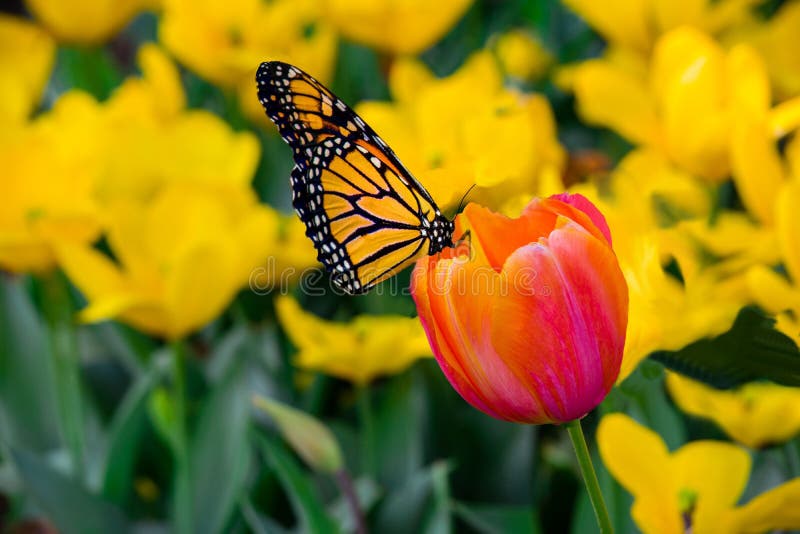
461 203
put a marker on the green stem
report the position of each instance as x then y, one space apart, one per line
66 361
182 493
589 476
367 429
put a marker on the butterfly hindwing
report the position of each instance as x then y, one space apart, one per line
367 216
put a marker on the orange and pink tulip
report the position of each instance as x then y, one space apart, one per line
531 326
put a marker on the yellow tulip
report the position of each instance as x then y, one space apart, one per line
396 26
693 489
637 24
46 195
467 129
179 259
86 22
756 414
687 103
357 351
224 42
27 54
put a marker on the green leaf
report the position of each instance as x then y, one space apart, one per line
219 456
495 519
438 520
404 509
125 434
67 504
306 504
751 350
398 419
27 399
367 491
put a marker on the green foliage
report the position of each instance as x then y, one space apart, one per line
751 350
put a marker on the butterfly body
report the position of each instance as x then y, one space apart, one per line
367 216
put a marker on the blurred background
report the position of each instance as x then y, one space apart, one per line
172 359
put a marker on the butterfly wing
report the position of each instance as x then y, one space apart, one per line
367 216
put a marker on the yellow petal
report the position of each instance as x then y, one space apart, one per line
639 460
26 59
622 22
610 96
785 117
775 510
716 473
194 296
788 224
770 290
85 21
405 27
757 169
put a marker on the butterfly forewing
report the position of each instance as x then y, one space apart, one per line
367 216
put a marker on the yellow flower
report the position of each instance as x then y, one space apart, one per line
467 129
46 193
179 259
694 489
756 414
685 105
86 22
26 59
149 138
224 42
776 40
396 26
637 24
358 351
522 55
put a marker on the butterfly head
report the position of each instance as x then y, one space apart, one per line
441 234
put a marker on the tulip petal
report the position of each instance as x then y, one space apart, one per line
569 293
458 335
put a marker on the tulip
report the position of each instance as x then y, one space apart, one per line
531 328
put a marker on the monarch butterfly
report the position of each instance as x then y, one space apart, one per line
367 216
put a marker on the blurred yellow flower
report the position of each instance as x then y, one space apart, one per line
637 24
756 414
149 138
86 22
396 26
178 259
357 351
467 129
694 489
776 40
684 104
522 55
27 54
224 42
46 193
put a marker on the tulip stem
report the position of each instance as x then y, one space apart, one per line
182 483
589 476
64 350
